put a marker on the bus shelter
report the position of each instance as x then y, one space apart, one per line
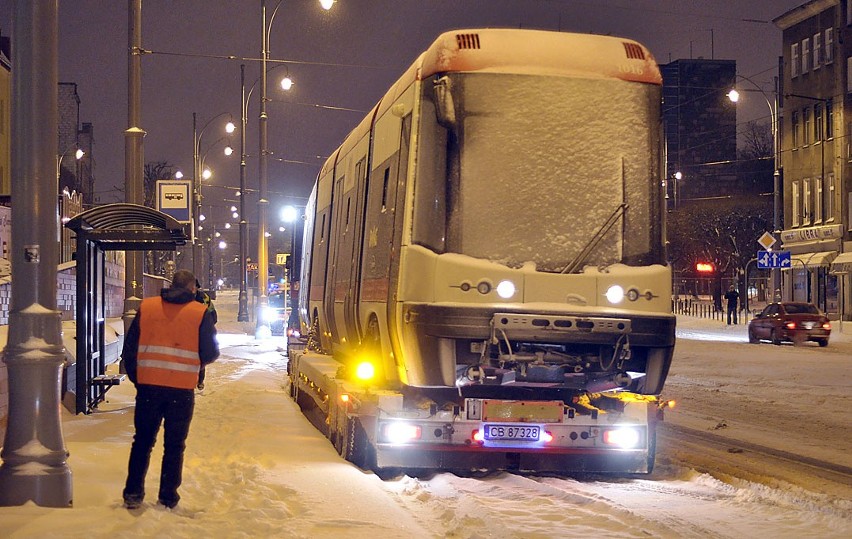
111 227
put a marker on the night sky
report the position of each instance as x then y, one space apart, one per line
346 58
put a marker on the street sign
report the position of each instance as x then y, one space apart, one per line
173 198
767 240
773 259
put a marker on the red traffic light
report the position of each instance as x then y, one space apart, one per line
704 267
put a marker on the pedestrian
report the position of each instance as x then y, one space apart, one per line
732 297
171 338
203 297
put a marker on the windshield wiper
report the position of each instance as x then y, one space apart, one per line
593 242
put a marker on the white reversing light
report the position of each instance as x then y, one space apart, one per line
506 289
400 433
615 294
625 437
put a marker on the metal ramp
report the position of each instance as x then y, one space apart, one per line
112 227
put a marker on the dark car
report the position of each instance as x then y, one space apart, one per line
276 312
790 321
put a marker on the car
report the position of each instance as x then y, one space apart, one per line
792 321
276 312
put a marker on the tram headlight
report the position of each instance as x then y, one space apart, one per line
615 294
506 289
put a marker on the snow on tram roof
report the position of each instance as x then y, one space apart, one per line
510 50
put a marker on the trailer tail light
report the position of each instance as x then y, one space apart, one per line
622 437
401 433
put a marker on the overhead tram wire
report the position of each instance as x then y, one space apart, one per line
269 60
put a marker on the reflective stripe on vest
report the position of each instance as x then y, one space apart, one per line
168 343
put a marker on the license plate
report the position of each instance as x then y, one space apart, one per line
524 433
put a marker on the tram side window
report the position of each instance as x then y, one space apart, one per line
430 188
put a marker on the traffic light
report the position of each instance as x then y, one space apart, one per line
704 267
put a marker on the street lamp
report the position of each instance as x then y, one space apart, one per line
734 96
263 202
197 167
242 313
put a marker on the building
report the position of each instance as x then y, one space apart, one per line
816 152
5 118
701 129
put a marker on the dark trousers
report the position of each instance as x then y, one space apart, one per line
155 405
732 313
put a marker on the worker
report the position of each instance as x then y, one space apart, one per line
170 339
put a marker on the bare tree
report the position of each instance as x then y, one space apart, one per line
755 157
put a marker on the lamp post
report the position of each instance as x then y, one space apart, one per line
242 313
263 202
197 166
734 96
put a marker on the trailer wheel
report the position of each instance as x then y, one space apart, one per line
652 448
357 448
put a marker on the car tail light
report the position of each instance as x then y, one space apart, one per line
826 325
791 325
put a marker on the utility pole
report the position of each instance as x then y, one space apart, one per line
34 454
133 155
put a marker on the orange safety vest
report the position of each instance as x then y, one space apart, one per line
168 343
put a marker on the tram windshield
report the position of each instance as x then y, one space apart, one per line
523 169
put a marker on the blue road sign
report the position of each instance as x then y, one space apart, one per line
773 259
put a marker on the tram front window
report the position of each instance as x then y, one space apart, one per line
537 164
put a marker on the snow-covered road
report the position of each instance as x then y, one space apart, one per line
255 467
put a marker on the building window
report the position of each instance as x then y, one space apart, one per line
828 57
818 122
806 201
806 55
794 60
849 75
829 209
806 121
794 129
817 50
829 120
794 196
818 200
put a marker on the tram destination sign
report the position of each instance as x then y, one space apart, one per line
773 259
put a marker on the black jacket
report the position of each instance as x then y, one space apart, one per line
208 348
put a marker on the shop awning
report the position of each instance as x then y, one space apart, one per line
842 263
812 260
